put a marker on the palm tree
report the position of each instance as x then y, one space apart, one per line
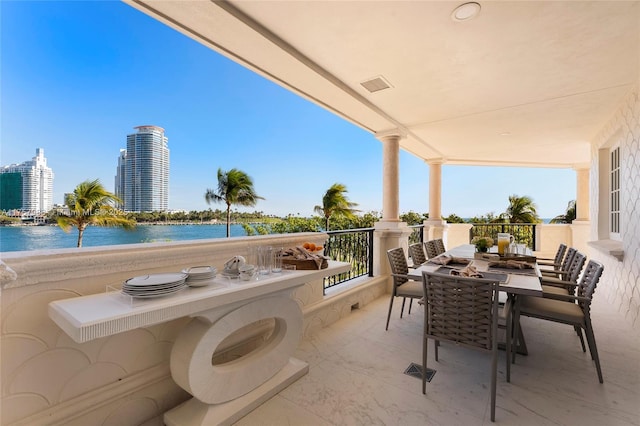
521 210
91 204
335 202
235 187
569 216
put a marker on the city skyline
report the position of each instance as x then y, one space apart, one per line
111 68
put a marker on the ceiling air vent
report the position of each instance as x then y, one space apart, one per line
376 84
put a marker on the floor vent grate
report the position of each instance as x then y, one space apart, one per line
415 370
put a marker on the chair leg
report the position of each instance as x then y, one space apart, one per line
579 333
516 330
591 339
508 339
424 364
389 314
404 299
410 303
494 373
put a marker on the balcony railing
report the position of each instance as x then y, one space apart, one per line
524 233
354 246
417 236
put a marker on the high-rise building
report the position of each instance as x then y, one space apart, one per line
142 177
27 186
120 174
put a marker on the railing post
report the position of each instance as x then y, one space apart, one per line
370 254
533 237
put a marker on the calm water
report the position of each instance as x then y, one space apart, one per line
20 238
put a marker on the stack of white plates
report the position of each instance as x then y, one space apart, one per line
154 285
200 276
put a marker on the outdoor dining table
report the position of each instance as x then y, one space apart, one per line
517 283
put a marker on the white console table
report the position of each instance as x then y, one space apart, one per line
222 393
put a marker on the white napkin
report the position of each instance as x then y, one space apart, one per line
468 271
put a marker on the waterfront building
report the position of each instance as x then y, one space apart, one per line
27 186
142 177
119 181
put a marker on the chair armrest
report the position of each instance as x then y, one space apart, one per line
548 262
401 276
569 286
565 297
550 273
556 281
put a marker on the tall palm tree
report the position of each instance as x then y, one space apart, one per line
569 216
91 204
235 187
521 210
335 203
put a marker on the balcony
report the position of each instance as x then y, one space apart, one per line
356 369
531 92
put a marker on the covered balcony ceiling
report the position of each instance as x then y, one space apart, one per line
524 83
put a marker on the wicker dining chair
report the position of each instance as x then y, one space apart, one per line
431 249
416 252
556 262
440 246
565 286
402 285
570 309
562 271
463 311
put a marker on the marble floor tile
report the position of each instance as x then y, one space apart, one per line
280 411
356 376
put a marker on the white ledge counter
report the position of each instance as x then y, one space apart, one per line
222 393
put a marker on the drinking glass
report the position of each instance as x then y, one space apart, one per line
276 266
265 260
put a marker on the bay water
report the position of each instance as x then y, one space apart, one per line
27 238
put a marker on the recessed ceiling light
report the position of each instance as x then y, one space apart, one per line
465 11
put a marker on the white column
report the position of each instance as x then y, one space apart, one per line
581 226
390 232
435 227
582 193
390 175
435 190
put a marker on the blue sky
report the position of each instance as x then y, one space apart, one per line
78 76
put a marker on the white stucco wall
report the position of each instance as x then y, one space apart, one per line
620 283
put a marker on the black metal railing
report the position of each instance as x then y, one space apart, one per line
524 233
354 246
417 236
